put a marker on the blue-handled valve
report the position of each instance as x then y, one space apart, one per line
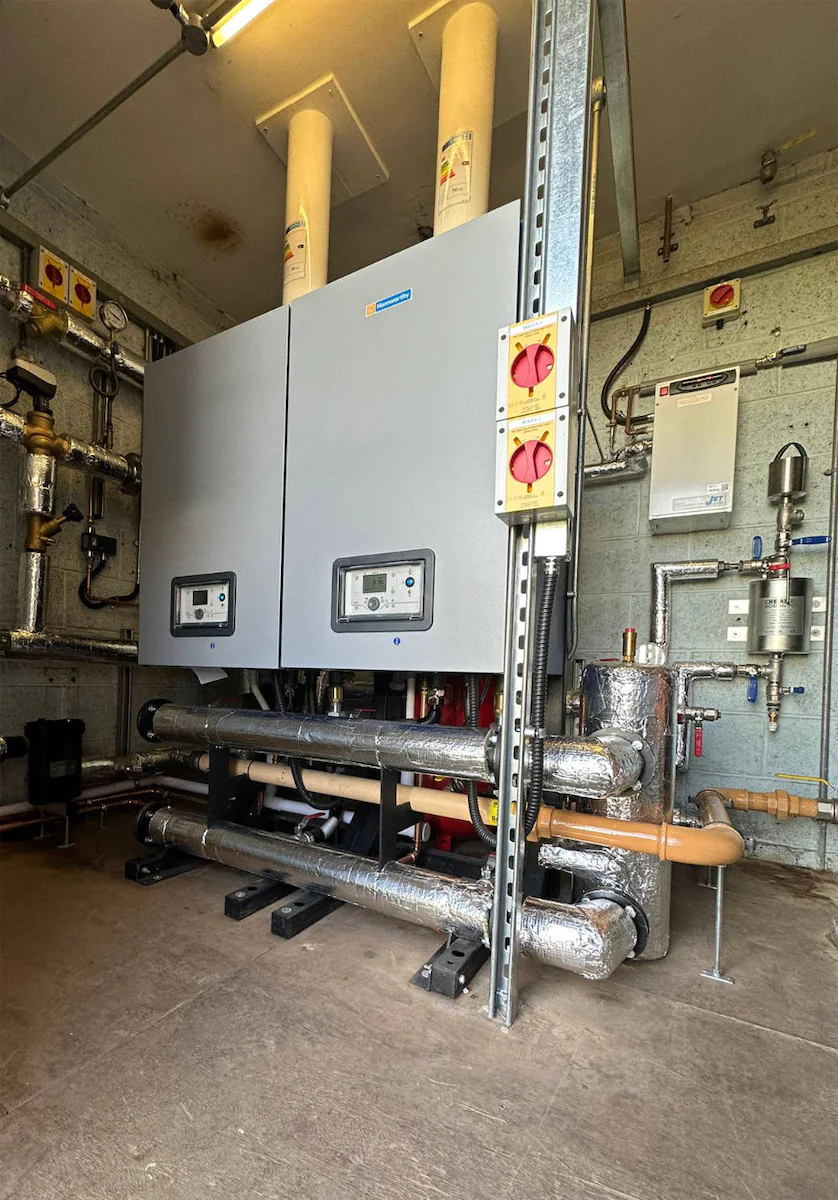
756 547
753 689
797 691
822 539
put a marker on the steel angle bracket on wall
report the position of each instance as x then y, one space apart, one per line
552 270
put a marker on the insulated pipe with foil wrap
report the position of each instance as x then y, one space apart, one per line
78 455
595 767
591 938
20 643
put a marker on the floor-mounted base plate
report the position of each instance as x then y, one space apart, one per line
154 868
299 910
452 968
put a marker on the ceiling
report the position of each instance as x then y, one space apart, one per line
183 173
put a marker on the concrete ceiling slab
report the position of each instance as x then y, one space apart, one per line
183 171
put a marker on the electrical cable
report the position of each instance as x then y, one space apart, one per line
432 716
538 694
617 370
322 803
18 391
487 835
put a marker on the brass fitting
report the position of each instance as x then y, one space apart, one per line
45 322
39 436
40 530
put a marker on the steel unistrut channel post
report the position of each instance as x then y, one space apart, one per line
561 53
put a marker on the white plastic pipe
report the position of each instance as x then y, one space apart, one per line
466 110
308 202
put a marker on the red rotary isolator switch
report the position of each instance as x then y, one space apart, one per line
532 365
722 296
530 461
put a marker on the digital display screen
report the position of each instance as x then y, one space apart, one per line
375 583
200 596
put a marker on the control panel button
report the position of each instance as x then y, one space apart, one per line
409 582
199 612
373 603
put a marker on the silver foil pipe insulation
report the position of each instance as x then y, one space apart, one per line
640 699
20 643
664 574
686 673
591 938
598 766
38 485
631 463
80 456
32 591
70 331
131 766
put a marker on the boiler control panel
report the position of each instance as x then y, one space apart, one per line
383 592
204 605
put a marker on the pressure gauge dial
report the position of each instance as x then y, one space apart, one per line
113 316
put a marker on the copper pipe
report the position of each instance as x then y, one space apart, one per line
717 845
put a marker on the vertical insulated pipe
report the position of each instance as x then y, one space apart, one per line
308 203
640 699
466 112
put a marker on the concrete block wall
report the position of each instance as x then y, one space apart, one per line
50 689
794 303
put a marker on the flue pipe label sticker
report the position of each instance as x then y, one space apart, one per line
296 252
455 171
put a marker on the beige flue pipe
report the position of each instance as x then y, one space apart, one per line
717 845
466 110
308 203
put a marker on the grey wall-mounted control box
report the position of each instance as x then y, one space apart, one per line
694 452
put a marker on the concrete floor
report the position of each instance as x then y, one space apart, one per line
151 1046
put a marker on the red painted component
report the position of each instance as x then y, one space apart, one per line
698 741
530 461
82 293
47 301
722 296
779 566
532 365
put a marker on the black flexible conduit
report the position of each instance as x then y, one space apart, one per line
538 694
487 835
322 803
616 371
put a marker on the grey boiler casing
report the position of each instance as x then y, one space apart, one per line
391 448
213 451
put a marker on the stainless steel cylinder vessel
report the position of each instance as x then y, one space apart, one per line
787 477
780 613
640 699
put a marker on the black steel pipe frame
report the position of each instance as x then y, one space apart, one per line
590 767
591 938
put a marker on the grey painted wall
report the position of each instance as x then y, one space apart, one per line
795 303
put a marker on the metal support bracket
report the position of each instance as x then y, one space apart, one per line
231 797
253 897
392 817
154 868
452 967
299 910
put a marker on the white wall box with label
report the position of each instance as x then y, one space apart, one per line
694 452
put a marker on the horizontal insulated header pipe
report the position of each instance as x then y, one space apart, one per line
20 643
596 768
591 939
80 456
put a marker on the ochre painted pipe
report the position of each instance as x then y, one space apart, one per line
716 846
713 846
779 804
